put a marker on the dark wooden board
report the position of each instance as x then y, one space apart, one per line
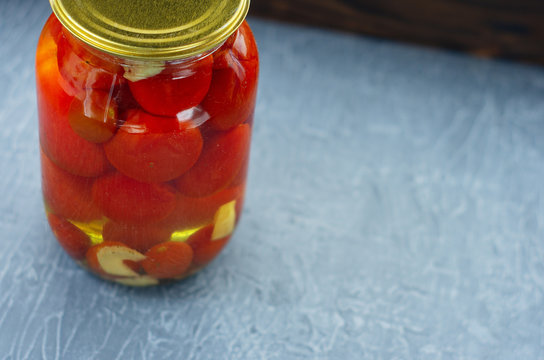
505 28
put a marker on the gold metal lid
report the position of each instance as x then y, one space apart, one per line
151 29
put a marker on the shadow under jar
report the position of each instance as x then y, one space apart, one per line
145 124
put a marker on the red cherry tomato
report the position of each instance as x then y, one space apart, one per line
192 212
59 141
67 195
126 200
67 149
154 149
49 81
74 241
221 56
241 45
244 46
95 117
82 70
174 90
204 248
221 159
231 98
138 237
47 48
168 260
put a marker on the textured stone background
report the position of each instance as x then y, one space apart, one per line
395 211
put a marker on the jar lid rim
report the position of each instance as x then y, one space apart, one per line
157 29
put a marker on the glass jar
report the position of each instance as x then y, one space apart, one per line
144 148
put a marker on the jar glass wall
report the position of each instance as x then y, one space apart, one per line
144 162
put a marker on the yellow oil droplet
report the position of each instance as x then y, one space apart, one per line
183 235
93 229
